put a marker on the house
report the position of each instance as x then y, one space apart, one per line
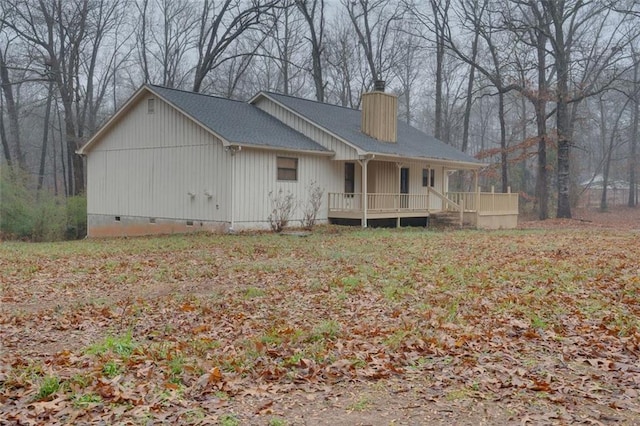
175 161
617 193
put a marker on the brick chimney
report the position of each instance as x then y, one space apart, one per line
380 114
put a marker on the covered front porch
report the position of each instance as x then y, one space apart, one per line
421 191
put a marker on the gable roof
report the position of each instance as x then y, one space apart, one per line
244 124
238 122
234 122
345 123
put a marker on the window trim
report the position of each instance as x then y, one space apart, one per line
280 168
428 177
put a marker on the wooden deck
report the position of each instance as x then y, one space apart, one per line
483 209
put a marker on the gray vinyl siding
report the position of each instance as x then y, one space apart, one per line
146 165
256 175
313 132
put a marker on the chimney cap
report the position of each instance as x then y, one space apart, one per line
379 85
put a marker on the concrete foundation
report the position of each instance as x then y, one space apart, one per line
128 226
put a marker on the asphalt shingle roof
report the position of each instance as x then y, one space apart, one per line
244 123
237 122
345 123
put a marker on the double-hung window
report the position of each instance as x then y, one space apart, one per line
287 168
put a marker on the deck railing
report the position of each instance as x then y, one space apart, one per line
378 202
339 201
480 202
466 198
487 202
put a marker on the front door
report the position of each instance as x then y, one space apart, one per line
404 187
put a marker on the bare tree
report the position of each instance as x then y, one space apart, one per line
284 45
313 13
480 8
346 75
165 36
220 25
374 23
575 24
633 150
407 70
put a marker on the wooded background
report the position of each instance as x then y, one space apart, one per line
546 91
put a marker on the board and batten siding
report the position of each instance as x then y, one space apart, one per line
313 132
148 163
255 175
384 178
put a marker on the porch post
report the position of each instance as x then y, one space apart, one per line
363 164
475 181
398 201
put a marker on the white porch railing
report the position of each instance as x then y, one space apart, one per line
378 202
487 202
345 202
476 204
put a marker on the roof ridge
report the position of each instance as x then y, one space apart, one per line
189 92
310 100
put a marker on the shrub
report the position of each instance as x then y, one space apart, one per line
16 205
49 219
282 207
312 207
76 217
33 215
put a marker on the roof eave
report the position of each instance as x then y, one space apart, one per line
444 161
282 149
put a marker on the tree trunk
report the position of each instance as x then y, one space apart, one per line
437 132
45 136
562 56
3 135
540 104
633 155
12 113
504 166
606 156
469 103
316 39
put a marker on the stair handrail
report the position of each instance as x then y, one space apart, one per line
445 199
458 207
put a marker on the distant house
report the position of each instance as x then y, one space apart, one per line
617 193
175 161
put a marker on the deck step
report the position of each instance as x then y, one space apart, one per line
446 220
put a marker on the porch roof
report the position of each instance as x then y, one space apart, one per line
345 124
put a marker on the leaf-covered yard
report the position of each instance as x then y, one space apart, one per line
341 327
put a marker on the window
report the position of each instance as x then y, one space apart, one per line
428 177
287 168
151 106
349 178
